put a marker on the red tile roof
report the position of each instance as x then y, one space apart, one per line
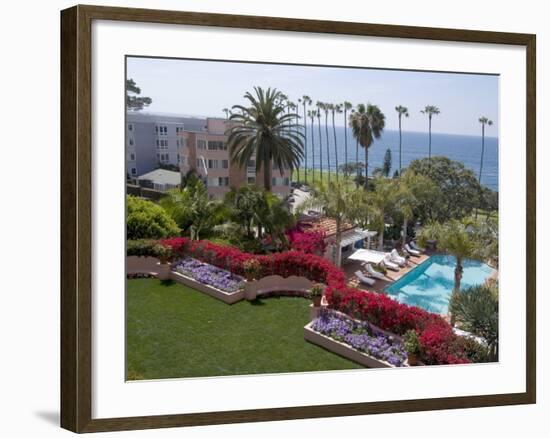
325 224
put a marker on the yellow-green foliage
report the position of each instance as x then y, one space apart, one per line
147 220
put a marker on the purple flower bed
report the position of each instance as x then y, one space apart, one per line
209 275
361 336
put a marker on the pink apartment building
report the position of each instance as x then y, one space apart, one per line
206 151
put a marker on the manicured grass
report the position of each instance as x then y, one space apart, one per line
174 331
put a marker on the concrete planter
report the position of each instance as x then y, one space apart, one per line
342 349
226 297
163 271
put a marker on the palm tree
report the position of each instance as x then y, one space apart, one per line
431 111
346 107
227 112
401 111
382 200
484 121
367 123
305 100
335 109
243 204
457 238
335 199
326 108
264 131
311 114
273 216
477 310
192 209
319 106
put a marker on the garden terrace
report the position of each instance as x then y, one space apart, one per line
439 344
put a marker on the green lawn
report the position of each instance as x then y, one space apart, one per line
175 331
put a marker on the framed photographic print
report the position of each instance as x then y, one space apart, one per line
269 218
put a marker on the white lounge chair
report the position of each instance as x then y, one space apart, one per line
374 273
364 279
396 258
411 251
389 264
416 247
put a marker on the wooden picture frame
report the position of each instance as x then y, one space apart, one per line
76 218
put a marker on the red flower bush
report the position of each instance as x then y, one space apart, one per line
309 242
439 344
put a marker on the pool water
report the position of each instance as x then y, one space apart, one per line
430 284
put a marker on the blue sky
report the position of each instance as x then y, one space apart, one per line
204 88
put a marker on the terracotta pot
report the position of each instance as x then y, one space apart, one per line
317 300
164 271
412 358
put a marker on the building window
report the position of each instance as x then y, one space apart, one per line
212 164
225 164
217 146
131 141
178 158
161 129
157 129
251 180
130 127
162 143
132 157
134 171
201 144
221 181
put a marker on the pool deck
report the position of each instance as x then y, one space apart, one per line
351 266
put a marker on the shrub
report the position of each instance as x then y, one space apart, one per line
309 242
411 343
252 269
141 247
147 220
148 248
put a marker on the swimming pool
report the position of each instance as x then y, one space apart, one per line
430 284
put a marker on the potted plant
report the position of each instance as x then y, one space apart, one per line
252 269
316 293
412 346
164 254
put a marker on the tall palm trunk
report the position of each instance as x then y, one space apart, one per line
381 234
399 144
320 148
335 146
357 159
312 149
366 167
328 144
305 142
482 152
338 258
405 225
345 137
430 139
458 278
267 172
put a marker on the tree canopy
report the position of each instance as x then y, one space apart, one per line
135 102
459 189
147 220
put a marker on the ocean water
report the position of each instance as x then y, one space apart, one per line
463 148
